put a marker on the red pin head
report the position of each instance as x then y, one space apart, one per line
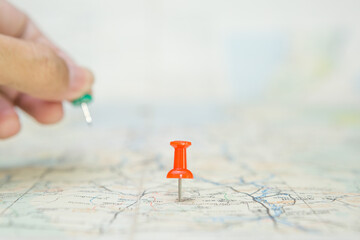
180 170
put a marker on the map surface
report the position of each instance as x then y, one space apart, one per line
261 172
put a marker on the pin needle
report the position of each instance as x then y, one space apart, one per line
179 189
86 112
83 102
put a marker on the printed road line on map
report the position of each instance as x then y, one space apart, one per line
302 199
46 171
262 204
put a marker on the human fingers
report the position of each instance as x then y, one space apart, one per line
9 120
13 22
37 70
45 112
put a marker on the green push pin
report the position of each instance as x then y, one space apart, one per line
83 102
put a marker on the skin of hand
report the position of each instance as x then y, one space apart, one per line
35 75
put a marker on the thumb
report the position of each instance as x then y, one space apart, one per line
37 70
80 82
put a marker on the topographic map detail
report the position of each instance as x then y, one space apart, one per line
268 178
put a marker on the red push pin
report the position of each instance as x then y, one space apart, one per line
180 171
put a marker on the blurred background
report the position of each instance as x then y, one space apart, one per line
198 52
275 78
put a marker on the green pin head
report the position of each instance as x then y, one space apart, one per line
87 98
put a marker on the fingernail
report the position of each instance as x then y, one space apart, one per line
81 80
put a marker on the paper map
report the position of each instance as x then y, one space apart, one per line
261 173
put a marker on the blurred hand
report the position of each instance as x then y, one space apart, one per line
35 75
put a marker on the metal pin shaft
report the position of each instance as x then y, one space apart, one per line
179 189
86 112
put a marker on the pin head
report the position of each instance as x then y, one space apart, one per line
180 144
180 170
86 98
